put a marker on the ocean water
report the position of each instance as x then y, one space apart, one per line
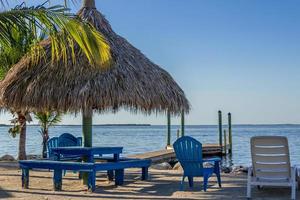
139 139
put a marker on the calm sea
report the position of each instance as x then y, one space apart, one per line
139 139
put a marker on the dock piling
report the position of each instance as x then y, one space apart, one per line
220 127
178 133
229 133
225 143
182 123
168 129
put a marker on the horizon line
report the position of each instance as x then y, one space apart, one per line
130 124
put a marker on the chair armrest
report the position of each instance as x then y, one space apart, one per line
250 171
293 172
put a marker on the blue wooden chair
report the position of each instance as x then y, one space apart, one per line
64 140
189 153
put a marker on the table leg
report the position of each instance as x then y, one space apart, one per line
110 175
116 157
92 181
25 178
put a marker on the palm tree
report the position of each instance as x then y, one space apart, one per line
21 30
46 120
19 127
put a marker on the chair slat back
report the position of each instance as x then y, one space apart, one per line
51 143
189 153
270 158
67 140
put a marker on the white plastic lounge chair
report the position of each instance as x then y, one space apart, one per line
271 164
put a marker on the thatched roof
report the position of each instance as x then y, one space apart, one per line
134 82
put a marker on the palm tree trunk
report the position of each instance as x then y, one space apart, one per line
22 141
88 3
45 139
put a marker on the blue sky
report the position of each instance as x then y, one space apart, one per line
239 56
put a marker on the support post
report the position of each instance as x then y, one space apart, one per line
225 143
178 133
87 122
229 133
168 129
182 123
220 128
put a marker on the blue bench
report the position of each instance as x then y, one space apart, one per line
56 166
91 168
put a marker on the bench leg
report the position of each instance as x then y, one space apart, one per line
25 178
110 175
144 173
119 179
191 181
92 182
57 180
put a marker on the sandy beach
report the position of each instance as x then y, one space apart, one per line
163 184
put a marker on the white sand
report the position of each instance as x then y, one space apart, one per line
161 185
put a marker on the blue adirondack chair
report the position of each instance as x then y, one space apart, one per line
189 153
64 140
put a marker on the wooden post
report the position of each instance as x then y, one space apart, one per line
169 129
178 133
182 123
225 143
220 128
87 118
230 133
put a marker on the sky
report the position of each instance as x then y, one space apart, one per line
236 56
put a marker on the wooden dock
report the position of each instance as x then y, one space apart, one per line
167 155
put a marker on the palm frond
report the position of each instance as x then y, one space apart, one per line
60 27
48 119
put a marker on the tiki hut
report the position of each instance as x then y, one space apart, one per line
133 82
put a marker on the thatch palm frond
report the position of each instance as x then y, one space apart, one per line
133 82
64 31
